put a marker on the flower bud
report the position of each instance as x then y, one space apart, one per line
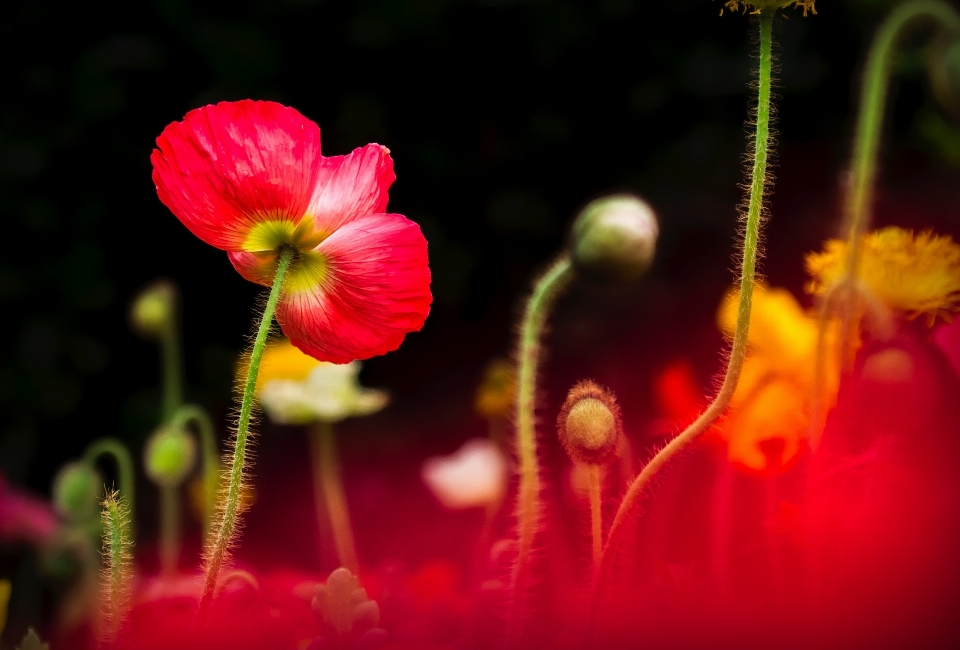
169 456
76 491
153 310
589 425
614 238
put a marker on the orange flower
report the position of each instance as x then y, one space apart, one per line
770 414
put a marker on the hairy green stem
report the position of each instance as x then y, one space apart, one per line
209 458
330 495
755 208
873 100
223 539
116 572
545 293
125 473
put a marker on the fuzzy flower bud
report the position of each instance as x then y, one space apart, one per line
152 311
169 456
76 491
614 238
589 425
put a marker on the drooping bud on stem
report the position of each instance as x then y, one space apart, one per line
169 456
589 425
76 491
153 311
614 238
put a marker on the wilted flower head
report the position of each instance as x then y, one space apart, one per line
474 475
248 178
914 274
294 388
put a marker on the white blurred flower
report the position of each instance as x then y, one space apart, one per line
328 393
474 475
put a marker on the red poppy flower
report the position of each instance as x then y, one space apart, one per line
247 177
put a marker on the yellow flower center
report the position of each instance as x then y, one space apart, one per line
272 234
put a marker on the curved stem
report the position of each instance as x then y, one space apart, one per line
545 292
125 473
755 209
596 515
210 458
873 99
223 539
328 487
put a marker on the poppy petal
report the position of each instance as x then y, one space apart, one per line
352 186
227 167
375 288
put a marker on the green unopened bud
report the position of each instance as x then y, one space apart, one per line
589 425
76 491
614 238
169 456
154 309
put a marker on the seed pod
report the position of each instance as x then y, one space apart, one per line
614 238
169 456
76 491
589 425
154 309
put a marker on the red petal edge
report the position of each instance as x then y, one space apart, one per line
226 167
378 290
352 186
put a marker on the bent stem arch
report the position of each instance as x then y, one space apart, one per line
229 508
863 170
545 293
755 208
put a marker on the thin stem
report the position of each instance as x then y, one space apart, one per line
873 100
116 573
171 361
755 209
545 293
328 486
230 508
169 529
125 473
210 458
596 516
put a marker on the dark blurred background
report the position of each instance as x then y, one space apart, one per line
503 117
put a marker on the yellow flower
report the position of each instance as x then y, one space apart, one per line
770 412
294 388
914 274
756 6
496 394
